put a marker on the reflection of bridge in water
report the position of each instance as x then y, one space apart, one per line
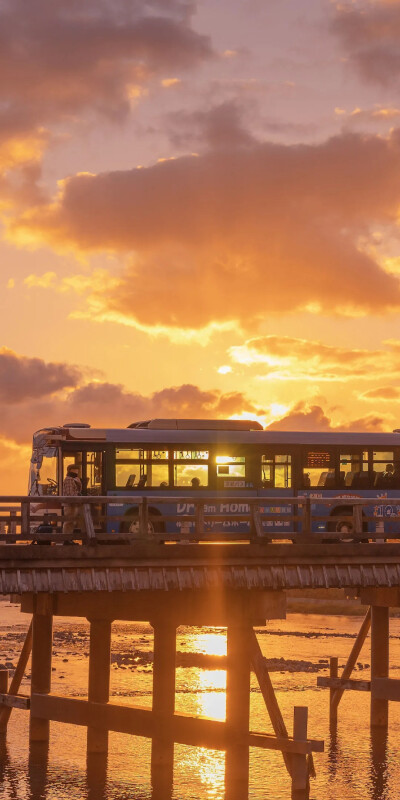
239 582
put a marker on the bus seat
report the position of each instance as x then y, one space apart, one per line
130 481
379 482
322 479
348 481
360 480
330 481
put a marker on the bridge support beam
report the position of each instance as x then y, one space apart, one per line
42 645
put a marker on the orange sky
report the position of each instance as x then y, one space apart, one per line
199 214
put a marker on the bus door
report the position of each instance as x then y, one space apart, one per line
89 465
276 480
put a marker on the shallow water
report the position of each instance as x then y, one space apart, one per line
352 766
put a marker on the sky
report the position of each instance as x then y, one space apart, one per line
199 207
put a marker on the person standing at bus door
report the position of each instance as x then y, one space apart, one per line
72 487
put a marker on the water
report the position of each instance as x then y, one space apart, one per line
352 767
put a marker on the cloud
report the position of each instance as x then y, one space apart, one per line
389 393
61 61
370 35
35 394
218 127
23 378
304 417
235 234
289 358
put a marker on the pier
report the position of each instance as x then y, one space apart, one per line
195 577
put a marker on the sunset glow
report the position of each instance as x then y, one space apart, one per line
200 215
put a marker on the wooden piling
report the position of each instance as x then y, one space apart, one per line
99 678
300 777
238 707
42 643
333 707
164 664
379 663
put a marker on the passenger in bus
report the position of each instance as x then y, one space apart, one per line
306 480
388 477
72 487
195 482
396 475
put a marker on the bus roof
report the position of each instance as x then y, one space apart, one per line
201 436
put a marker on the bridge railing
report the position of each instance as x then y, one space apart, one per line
41 519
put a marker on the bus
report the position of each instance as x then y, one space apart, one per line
222 459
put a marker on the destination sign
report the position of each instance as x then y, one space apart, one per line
318 460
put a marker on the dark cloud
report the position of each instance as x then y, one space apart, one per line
370 35
109 404
235 234
221 126
23 378
30 398
61 61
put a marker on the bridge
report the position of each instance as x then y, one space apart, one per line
201 574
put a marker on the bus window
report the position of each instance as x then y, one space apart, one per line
231 467
383 469
94 472
189 467
43 474
72 458
319 470
276 471
354 470
139 469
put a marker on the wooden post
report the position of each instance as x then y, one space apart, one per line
237 708
3 690
42 644
162 748
96 776
352 659
379 662
267 690
99 678
333 673
38 770
25 518
307 522
199 517
143 518
300 778
17 677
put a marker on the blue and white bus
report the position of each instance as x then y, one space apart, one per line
223 459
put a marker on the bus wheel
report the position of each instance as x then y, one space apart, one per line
133 526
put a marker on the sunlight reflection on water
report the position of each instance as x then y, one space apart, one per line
353 767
